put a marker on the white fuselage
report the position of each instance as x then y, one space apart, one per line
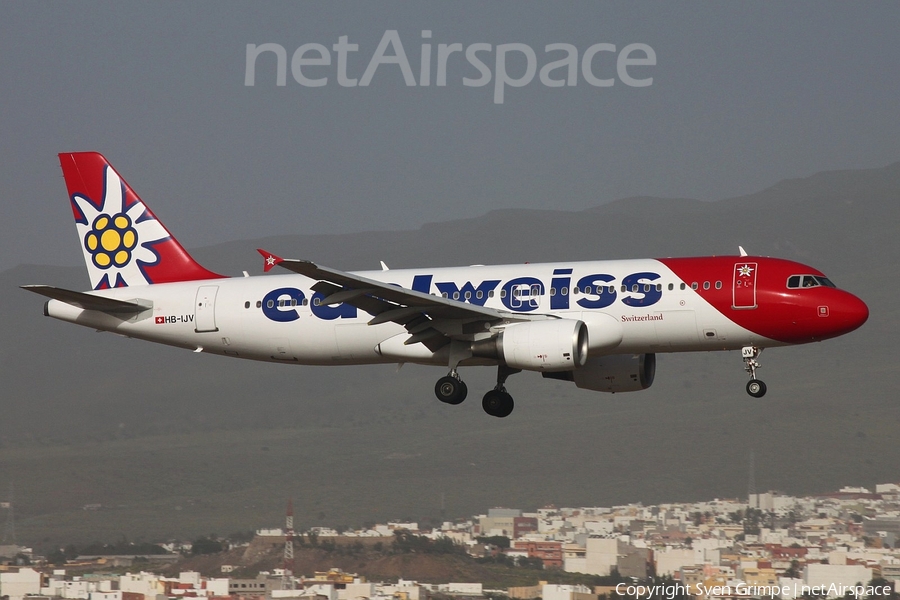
641 307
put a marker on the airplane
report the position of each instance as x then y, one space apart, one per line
597 324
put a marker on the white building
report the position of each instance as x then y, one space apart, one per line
18 585
411 589
562 592
601 556
355 591
144 583
464 589
670 561
825 576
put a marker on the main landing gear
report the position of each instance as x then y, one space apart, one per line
755 387
496 402
451 389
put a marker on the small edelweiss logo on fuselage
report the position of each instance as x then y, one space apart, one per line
111 240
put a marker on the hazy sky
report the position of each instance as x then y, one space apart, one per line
742 95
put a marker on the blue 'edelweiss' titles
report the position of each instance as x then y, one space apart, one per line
521 294
116 239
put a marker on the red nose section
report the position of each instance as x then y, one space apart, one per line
846 314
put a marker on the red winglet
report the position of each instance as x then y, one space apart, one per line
271 260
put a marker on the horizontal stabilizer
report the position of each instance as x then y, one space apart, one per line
87 301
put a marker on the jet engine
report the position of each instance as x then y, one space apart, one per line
614 373
551 345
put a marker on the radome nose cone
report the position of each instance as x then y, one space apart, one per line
853 312
859 314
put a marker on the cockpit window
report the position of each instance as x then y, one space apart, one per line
807 281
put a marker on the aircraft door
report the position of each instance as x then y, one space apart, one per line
205 309
744 285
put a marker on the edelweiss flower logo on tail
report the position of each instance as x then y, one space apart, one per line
111 240
117 238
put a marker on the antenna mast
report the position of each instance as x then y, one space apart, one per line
287 577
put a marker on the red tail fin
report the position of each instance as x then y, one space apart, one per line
124 244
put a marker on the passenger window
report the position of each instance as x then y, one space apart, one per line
718 285
564 291
479 294
705 285
671 286
575 290
694 286
682 286
552 291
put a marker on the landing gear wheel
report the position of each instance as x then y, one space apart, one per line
497 403
450 390
756 388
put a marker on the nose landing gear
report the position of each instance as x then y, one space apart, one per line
755 387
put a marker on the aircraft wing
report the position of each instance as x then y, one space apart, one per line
432 320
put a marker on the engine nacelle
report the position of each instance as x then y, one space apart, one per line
551 345
614 373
